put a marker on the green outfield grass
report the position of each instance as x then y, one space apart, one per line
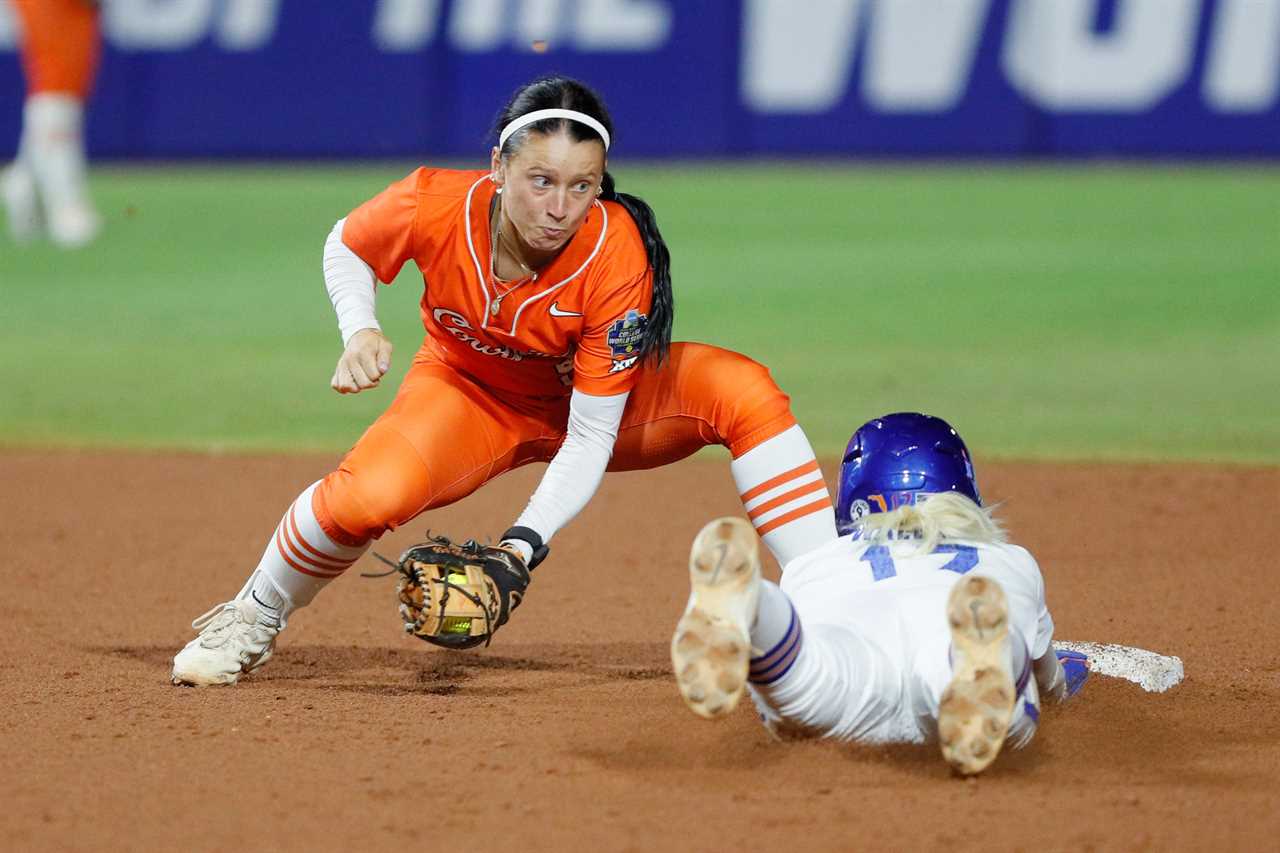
1078 312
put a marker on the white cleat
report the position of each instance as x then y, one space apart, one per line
74 226
21 204
977 707
711 647
235 638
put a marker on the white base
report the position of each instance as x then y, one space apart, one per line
1152 672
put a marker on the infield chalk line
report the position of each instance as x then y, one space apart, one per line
1152 672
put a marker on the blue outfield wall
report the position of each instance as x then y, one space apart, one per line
421 78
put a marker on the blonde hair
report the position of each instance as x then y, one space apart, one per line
946 515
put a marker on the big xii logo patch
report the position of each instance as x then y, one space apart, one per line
624 339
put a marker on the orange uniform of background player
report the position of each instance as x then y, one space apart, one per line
59 45
489 392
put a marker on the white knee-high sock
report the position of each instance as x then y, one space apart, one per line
785 496
777 639
53 147
299 560
776 636
53 143
1026 709
21 195
21 202
1019 657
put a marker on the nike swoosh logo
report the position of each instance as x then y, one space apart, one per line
556 312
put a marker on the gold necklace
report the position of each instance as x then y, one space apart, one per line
496 305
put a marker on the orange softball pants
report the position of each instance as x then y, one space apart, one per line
59 45
445 435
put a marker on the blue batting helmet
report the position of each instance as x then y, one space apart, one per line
892 460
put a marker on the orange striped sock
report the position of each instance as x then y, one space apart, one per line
300 559
785 496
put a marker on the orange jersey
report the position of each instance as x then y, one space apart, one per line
577 324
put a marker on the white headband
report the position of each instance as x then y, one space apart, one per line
539 115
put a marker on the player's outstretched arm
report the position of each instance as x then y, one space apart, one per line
363 363
574 473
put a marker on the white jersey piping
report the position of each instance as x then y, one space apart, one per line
604 229
471 247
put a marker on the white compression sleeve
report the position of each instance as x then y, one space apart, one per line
578 467
351 284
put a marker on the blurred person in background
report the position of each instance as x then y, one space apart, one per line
45 190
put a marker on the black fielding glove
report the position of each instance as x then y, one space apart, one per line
457 596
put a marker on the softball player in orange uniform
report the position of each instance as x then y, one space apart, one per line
45 189
548 314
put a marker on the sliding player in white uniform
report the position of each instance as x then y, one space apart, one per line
919 623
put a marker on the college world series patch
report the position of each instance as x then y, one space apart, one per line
624 339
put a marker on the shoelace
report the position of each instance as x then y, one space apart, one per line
217 624
200 621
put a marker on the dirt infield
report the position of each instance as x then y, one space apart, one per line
569 732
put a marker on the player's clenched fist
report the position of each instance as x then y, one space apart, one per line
364 362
